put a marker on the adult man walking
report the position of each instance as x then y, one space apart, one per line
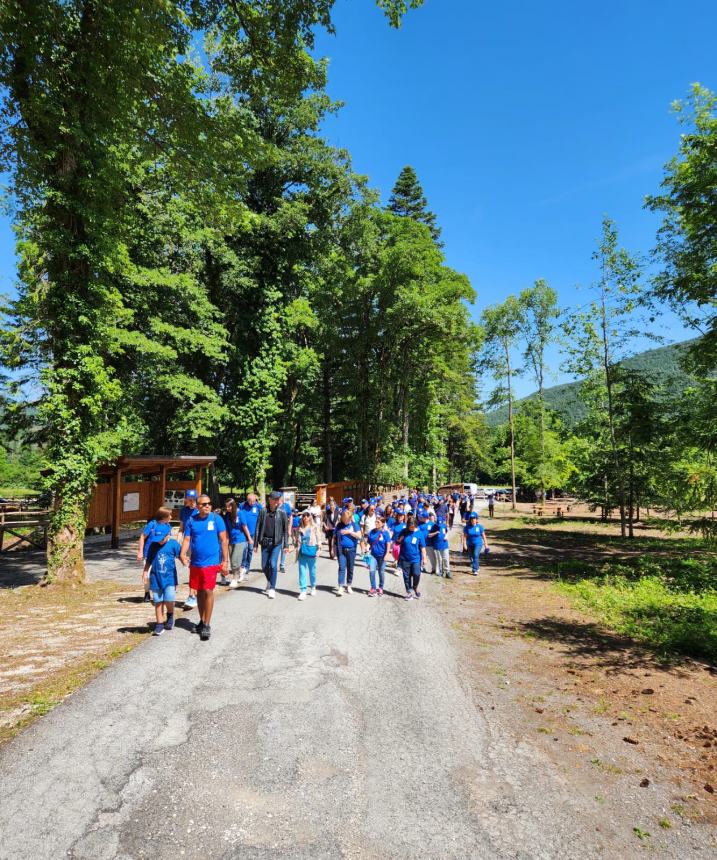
248 514
188 511
331 519
272 535
205 550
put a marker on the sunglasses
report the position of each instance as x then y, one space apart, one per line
205 504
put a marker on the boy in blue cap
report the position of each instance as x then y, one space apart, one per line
474 540
163 583
187 512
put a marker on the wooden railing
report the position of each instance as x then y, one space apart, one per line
23 527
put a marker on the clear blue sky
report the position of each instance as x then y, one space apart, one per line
526 121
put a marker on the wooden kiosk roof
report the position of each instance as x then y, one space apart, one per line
154 464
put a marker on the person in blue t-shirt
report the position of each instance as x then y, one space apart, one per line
348 534
249 512
396 529
473 541
156 533
439 535
286 507
378 540
412 557
163 583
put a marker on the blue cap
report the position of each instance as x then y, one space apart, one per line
472 515
190 494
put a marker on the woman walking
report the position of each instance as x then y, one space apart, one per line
309 542
473 541
332 516
348 535
378 540
412 556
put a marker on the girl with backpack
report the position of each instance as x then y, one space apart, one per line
309 543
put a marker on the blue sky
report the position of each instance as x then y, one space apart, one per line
526 121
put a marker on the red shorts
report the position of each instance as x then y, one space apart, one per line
204 578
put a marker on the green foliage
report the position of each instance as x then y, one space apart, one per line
687 241
408 201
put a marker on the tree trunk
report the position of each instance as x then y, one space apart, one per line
328 454
607 370
404 427
509 378
65 540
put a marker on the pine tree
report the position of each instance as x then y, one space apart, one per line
408 201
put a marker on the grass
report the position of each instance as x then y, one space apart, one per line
17 492
667 602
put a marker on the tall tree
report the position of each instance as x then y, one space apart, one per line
687 241
501 325
539 305
407 200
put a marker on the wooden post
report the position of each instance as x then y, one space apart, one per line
200 470
116 508
163 486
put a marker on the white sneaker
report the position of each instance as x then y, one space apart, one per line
302 595
339 592
234 583
349 590
312 591
270 593
242 574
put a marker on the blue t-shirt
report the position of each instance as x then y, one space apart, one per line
346 541
442 510
186 513
474 534
440 541
390 523
164 571
236 532
248 516
397 529
411 546
155 532
205 547
295 521
379 540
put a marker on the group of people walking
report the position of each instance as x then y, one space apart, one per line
409 535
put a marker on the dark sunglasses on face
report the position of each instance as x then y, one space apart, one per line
205 504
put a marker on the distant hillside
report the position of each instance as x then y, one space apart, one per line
663 362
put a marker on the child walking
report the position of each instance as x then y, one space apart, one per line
378 539
309 543
155 534
163 584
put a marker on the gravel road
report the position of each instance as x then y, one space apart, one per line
323 729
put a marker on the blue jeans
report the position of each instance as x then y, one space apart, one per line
411 574
248 555
282 562
307 567
474 553
347 559
377 565
270 563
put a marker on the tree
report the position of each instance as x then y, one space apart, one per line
539 305
687 241
408 201
599 337
501 324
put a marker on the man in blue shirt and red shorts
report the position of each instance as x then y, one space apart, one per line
205 550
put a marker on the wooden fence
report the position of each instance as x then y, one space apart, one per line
23 527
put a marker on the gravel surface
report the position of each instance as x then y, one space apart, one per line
333 727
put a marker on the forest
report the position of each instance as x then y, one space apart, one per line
200 271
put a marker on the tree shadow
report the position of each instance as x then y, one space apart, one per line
144 628
604 649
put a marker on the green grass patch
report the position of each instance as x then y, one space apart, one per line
18 492
668 603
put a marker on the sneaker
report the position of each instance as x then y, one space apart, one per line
312 591
224 580
339 592
409 596
198 627
147 598
158 628
372 592
474 573
206 632
349 590
417 593
270 593
302 595
190 602
170 623
242 575
234 583
380 592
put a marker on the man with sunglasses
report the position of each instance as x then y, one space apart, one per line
205 550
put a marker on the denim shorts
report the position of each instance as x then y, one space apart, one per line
167 596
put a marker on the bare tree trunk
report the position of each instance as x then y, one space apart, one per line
509 377
328 454
404 427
